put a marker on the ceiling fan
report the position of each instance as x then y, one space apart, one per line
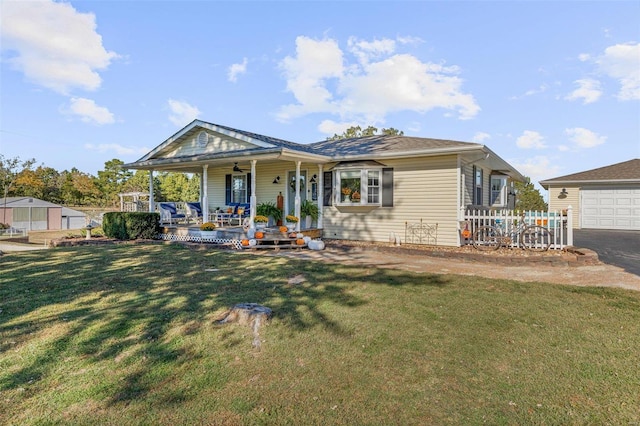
236 168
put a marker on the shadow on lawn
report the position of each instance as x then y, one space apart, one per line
100 303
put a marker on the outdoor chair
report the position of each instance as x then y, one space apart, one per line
240 212
169 213
194 211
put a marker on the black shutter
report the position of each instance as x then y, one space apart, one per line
387 187
227 189
327 189
248 188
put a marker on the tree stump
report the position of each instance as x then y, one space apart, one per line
251 314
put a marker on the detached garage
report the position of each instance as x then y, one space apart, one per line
603 198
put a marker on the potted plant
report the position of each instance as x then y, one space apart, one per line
309 211
291 221
346 195
260 221
270 210
208 230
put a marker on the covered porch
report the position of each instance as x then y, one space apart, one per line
240 168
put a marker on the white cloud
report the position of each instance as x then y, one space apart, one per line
622 62
182 113
588 90
380 82
480 137
530 139
584 138
237 69
114 147
55 46
331 127
537 168
89 112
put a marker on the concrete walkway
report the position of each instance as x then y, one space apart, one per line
599 275
10 246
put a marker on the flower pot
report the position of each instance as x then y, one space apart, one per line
260 225
291 226
307 222
208 234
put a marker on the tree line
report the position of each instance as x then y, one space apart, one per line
22 178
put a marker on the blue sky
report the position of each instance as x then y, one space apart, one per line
552 87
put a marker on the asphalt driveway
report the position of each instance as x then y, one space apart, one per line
619 248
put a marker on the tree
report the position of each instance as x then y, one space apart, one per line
528 197
357 132
110 181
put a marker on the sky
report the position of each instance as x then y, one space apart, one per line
552 87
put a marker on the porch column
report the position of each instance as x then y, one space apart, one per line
320 192
204 191
152 207
296 208
252 198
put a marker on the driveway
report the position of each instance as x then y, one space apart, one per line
619 248
7 246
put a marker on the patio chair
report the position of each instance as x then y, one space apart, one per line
194 211
169 213
245 210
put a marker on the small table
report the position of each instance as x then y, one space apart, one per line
221 218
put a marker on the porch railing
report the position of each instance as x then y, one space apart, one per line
559 223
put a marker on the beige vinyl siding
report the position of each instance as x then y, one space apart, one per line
266 190
424 188
572 199
216 144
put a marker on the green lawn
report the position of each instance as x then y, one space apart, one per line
126 335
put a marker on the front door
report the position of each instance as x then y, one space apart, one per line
291 189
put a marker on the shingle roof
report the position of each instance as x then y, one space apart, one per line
383 144
625 171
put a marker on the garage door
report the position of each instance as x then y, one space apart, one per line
610 208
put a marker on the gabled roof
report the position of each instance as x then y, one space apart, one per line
388 146
12 202
625 172
26 202
257 146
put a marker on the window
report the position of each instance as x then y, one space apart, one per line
498 192
477 185
373 186
364 186
239 189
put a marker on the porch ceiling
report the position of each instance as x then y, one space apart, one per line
193 164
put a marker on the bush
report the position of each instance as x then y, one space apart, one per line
131 225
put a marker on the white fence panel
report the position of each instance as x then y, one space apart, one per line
511 222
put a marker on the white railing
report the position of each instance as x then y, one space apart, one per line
13 232
559 223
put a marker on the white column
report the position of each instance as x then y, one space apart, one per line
569 225
152 207
204 189
252 198
320 183
297 198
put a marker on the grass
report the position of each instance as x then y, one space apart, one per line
126 335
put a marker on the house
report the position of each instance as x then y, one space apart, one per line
604 198
34 214
366 188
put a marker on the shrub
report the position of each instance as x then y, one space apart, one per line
131 225
208 226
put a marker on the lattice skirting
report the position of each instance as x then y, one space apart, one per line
197 239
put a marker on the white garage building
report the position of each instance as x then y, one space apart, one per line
603 198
